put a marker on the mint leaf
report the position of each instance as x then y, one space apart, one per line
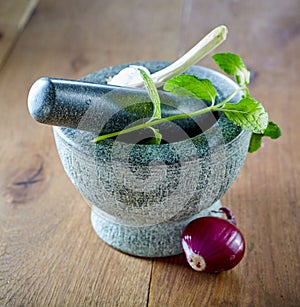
153 94
273 131
191 86
248 113
233 65
255 142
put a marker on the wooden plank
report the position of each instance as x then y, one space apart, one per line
49 254
265 198
14 15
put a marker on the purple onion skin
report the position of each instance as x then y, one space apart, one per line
212 244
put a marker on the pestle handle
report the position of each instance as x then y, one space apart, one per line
103 108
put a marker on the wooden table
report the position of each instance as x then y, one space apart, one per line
49 254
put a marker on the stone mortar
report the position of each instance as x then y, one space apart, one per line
142 196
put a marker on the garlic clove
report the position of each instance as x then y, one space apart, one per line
128 76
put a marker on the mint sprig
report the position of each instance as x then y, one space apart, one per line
248 113
256 118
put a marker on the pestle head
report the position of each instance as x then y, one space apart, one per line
40 99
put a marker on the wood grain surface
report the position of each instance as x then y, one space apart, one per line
49 254
14 14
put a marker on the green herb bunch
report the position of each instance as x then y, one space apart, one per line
248 113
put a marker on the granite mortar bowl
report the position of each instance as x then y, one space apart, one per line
142 196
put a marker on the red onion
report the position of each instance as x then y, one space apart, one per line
213 244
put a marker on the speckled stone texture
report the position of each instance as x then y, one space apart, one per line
142 196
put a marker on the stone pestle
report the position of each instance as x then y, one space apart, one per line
103 108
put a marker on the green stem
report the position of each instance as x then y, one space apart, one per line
148 124
231 96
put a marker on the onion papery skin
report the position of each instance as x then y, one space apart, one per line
219 243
